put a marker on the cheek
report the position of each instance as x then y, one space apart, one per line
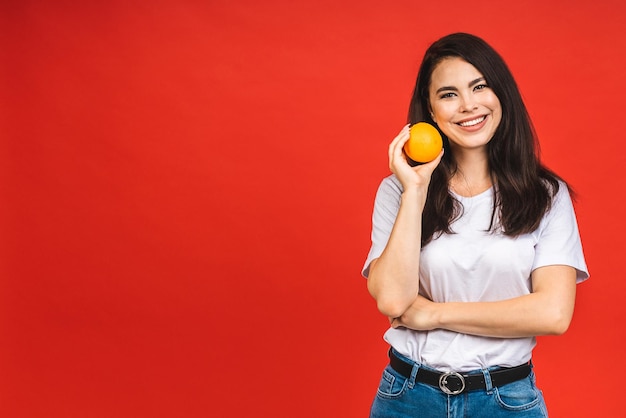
494 104
445 128
441 112
498 119
497 115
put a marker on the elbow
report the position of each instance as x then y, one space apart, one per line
390 302
560 327
391 308
558 324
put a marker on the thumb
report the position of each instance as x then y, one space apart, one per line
430 166
434 163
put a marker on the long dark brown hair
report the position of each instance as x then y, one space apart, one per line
524 187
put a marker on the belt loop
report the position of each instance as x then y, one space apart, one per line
414 370
488 383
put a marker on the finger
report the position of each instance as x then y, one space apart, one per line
430 166
399 141
397 145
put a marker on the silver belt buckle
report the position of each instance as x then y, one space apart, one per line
443 383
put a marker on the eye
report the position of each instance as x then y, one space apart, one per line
481 86
447 95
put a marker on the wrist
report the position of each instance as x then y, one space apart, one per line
414 194
437 315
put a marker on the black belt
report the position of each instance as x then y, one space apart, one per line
454 383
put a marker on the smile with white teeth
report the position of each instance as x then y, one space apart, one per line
472 122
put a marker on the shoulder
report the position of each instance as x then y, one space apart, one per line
556 187
392 182
390 186
388 196
561 203
560 194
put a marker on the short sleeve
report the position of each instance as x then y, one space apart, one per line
558 241
386 207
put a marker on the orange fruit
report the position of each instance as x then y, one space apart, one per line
424 144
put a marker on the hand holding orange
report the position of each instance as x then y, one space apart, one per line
424 144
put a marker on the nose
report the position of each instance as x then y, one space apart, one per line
467 103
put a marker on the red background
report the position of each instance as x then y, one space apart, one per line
187 188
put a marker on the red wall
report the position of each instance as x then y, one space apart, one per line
187 187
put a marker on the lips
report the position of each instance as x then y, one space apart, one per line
472 122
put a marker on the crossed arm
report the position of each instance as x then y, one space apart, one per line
546 311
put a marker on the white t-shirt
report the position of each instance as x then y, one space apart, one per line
474 265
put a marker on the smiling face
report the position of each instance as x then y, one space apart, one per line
463 105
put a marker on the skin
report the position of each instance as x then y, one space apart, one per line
458 95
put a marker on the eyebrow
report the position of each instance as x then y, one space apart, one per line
452 88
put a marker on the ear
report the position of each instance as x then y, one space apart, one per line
432 114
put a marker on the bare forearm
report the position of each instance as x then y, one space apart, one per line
529 315
394 277
546 311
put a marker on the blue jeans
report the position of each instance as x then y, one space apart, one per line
401 397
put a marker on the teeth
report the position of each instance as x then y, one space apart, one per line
472 122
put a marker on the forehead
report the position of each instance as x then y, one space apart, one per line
454 72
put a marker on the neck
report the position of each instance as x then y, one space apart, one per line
472 176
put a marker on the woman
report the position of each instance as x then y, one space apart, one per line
473 254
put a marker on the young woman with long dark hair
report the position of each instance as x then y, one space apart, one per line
473 254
